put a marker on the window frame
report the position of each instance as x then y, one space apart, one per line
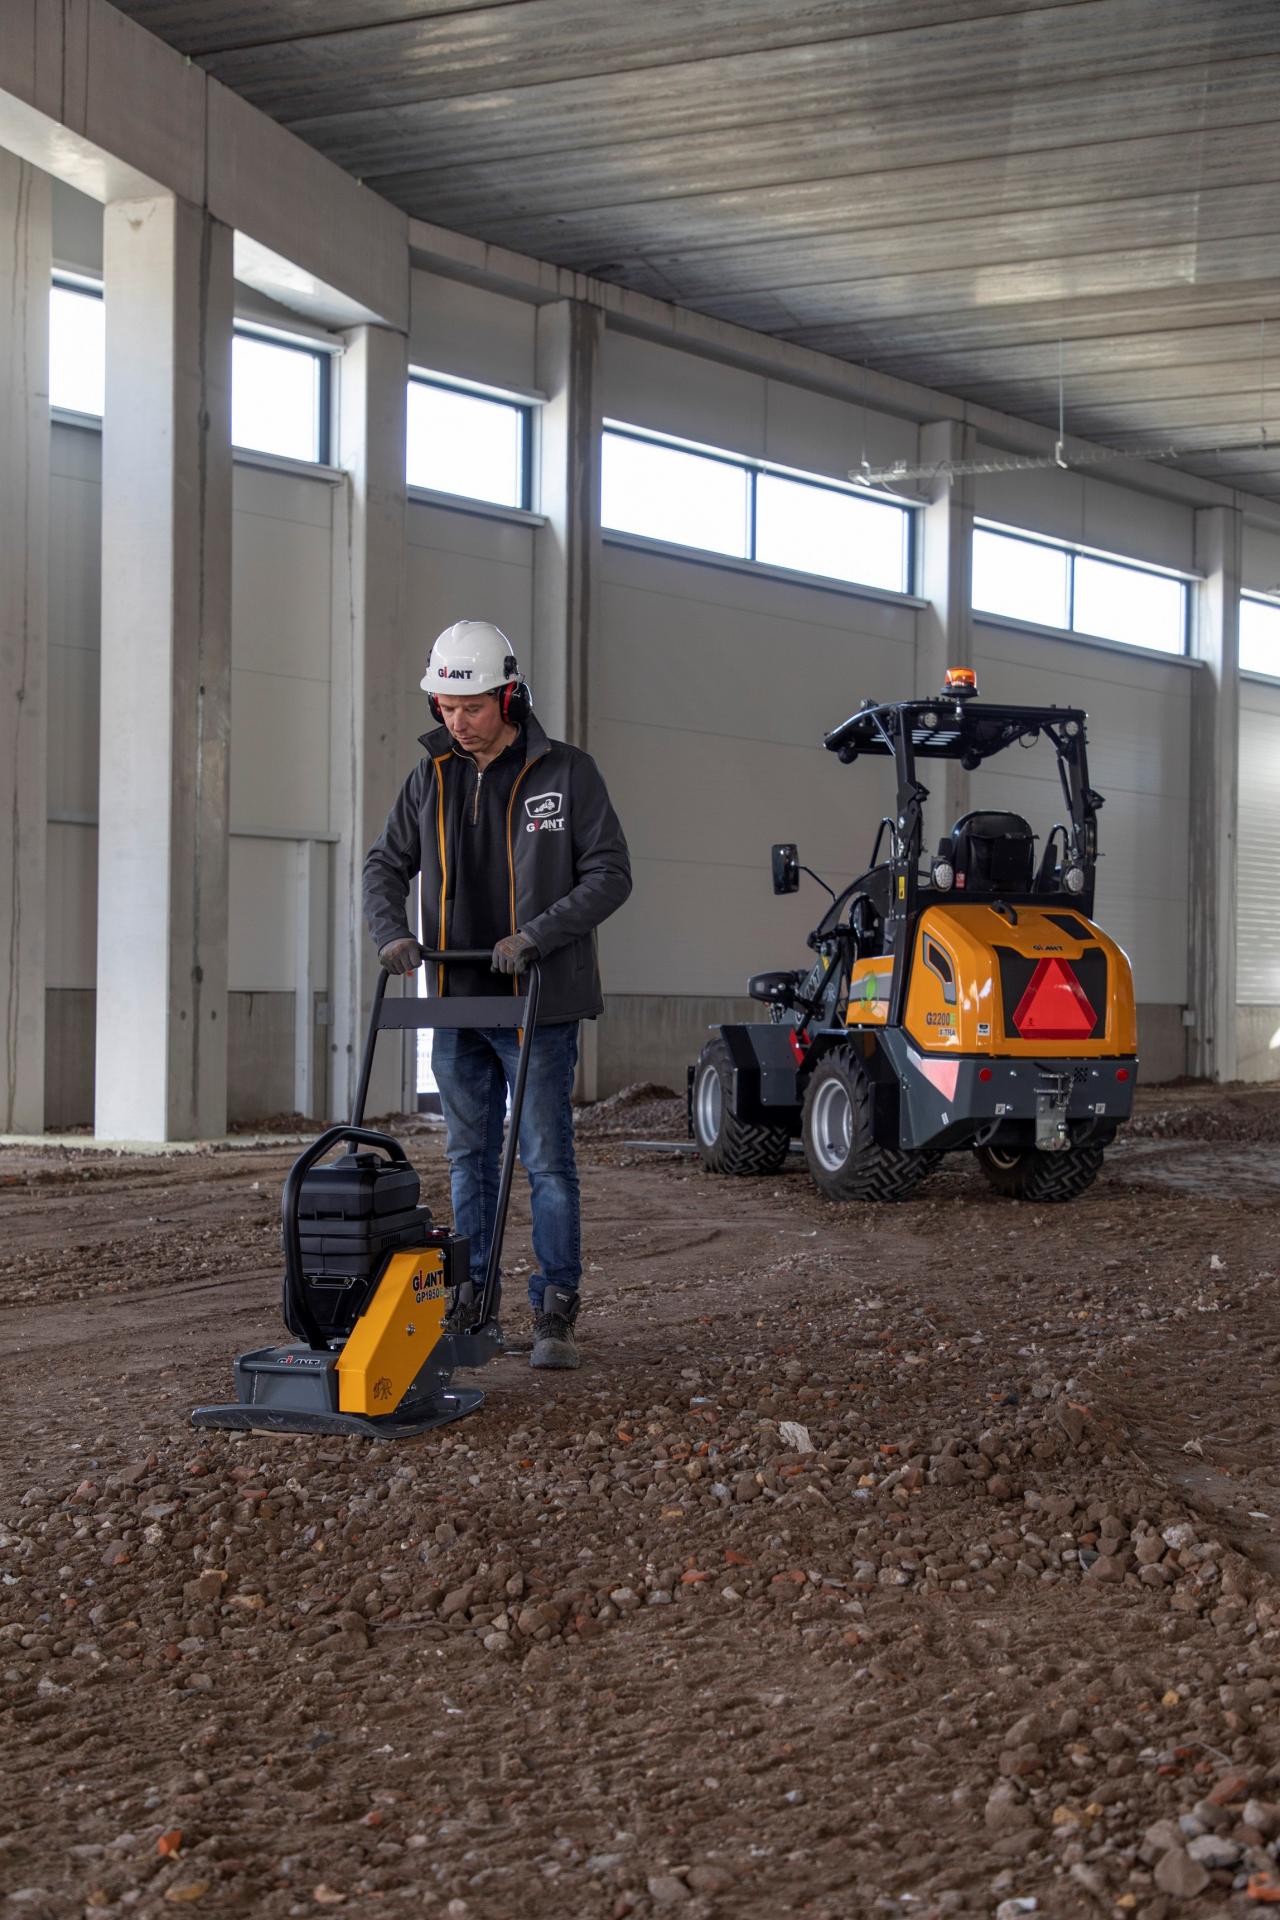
69 280
754 468
324 358
1076 550
524 404
1262 600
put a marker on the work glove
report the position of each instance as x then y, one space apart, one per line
401 956
513 954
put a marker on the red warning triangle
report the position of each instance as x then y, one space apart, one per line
1054 1006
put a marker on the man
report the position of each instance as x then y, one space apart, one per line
519 850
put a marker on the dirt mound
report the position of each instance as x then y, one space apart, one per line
1242 1117
643 1110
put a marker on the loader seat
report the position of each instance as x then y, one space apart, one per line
993 853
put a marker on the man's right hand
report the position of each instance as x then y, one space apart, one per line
401 956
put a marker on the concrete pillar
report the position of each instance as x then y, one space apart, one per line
371 680
25 268
161 1069
566 551
1215 758
944 629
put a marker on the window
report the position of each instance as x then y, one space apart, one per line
279 384
745 510
1051 585
279 396
1259 635
818 529
77 347
469 443
665 493
1021 579
1127 603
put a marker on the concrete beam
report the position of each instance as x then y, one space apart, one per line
368 686
97 101
166 674
1215 762
25 266
944 629
566 549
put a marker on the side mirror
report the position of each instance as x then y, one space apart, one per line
786 867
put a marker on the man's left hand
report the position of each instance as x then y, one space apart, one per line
513 954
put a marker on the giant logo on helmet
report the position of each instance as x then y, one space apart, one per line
453 673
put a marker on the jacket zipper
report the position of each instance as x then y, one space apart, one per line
475 804
511 864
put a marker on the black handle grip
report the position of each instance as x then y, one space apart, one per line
468 956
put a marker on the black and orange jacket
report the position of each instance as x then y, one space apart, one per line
564 854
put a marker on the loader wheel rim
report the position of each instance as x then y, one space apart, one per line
709 1106
1006 1158
831 1129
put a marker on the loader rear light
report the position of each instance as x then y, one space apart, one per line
1122 1073
984 1074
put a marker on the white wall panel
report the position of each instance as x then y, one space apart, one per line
1261 562
710 693
667 391
75 525
73 730
693 928
72 893
281 592
659 387
1089 511
279 752
818 434
263 892
1139 759
472 333
1258 931
460 566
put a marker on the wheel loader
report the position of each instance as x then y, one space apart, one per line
964 1003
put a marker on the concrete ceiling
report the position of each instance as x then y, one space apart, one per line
943 189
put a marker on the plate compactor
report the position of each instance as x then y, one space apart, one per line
378 1297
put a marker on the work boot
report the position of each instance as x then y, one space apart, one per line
553 1341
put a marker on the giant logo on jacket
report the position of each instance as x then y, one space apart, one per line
545 813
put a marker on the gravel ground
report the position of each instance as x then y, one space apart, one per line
908 1561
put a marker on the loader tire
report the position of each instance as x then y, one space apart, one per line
727 1144
1026 1173
845 1159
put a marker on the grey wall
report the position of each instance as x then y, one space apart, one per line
709 690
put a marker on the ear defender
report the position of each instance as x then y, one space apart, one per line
515 703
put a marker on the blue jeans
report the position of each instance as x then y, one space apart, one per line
473 1069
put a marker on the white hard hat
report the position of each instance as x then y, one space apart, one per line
471 656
